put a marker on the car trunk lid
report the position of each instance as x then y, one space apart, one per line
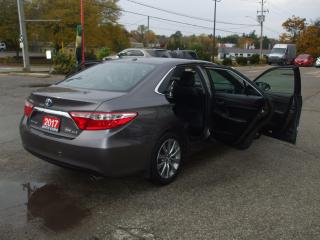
56 102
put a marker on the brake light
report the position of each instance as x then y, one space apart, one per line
101 120
28 107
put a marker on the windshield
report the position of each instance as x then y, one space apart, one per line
279 50
119 77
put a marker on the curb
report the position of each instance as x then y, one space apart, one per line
39 75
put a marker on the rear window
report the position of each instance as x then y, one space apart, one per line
304 56
159 53
119 77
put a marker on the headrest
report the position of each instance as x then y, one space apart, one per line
187 79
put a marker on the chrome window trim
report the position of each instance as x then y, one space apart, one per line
162 79
50 111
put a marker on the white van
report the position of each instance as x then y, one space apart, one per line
283 54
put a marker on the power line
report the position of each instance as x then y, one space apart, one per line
175 21
183 26
161 28
280 10
187 16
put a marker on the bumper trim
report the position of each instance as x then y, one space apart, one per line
54 112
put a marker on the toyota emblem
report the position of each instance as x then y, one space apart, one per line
48 102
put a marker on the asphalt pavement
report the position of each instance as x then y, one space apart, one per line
269 191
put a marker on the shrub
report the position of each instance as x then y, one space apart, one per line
227 62
242 61
90 56
103 52
264 60
63 63
254 59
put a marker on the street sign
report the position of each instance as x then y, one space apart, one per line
48 54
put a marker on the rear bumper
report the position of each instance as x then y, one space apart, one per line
101 152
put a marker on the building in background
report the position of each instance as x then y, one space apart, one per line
233 53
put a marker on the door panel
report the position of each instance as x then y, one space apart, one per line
233 114
282 85
237 107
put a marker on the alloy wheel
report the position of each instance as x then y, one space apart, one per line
169 158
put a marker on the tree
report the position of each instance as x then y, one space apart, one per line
316 22
229 39
176 41
9 24
309 41
114 36
98 14
150 38
293 26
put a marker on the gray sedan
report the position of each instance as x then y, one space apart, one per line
143 115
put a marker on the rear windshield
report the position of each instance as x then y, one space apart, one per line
112 76
303 56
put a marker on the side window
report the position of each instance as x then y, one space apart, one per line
224 82
134 53
278 81
180 73
177 76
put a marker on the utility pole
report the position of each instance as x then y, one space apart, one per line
148 31
214 28
261 18
23 37
82 38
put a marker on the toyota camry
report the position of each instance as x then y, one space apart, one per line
142 115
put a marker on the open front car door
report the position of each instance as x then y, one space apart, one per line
282 85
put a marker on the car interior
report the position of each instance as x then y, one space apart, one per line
236 107
280 86
190 99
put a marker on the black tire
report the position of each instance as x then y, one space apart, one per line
155 175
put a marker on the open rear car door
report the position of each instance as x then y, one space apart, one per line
282 85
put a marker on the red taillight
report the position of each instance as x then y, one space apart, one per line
28 107
101 120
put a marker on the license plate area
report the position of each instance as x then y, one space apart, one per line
51 123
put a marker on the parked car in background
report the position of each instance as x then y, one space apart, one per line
3 46
142 115
282 54
141 52
304 60
318 62
184 54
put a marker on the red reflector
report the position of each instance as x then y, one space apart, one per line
28 107
100 120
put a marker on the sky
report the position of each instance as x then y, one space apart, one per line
230 11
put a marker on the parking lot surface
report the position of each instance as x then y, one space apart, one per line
269 191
